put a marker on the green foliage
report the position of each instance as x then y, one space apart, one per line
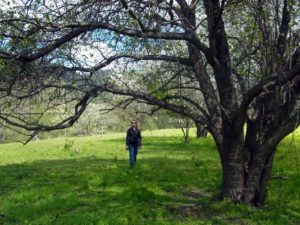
172 183
68 144
69 147
92 122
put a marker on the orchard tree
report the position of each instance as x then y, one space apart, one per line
222 64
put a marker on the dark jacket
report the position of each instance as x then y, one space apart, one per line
133 137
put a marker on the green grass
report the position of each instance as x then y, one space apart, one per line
87 180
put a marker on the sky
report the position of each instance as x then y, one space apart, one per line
91 56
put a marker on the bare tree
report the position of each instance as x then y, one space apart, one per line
240 59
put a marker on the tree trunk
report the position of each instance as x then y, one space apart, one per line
185 128
258 177
232 160
241 184
249 187
246 165
233 181
201 131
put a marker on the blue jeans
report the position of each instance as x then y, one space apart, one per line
133 151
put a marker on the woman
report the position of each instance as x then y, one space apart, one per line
133 142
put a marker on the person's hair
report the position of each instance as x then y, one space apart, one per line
133 120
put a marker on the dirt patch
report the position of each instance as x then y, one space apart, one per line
196 193
192 194
183 211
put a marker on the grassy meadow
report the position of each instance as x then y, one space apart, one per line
87 180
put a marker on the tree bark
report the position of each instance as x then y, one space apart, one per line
232 161
258 177
243 184
201 131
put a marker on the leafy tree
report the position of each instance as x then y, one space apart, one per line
239 59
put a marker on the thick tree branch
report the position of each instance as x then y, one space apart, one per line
111 59
284 28
140 34
190 101
290 124
259 88
65 123
156 101
221 60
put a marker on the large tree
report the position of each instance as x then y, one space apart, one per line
223 64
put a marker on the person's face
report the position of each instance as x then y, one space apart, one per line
133 124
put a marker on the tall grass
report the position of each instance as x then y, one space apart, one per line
87 180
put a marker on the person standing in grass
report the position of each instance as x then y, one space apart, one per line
133 142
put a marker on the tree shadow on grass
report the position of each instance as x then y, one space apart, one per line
168 145
92 190
153 140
